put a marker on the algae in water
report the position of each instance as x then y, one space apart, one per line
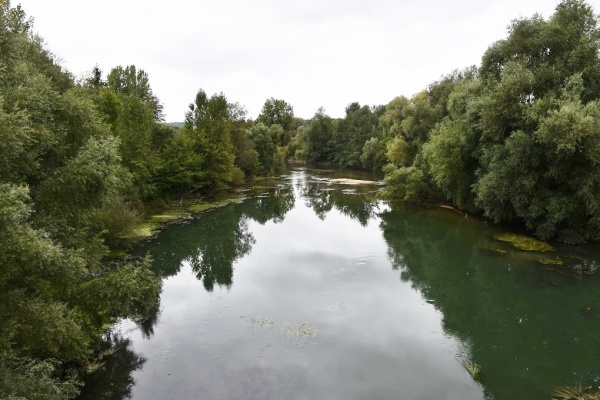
524 242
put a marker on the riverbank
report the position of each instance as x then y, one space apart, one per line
159 216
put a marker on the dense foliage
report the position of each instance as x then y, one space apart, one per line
520 141
63 173
516 139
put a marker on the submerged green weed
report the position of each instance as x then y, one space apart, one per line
550 261
474 370
259 321
302 330
576 392
524 242
292 331
209 205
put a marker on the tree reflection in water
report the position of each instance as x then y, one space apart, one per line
117 369
525 335
225 239
217 239
355 201
271 205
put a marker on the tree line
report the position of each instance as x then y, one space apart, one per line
516 139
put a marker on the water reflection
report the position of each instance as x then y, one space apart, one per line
217 239
117 371
270 205
224 239
355 201
213 243
146 326
526 336
529 327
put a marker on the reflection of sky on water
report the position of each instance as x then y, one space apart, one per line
401 299
376 337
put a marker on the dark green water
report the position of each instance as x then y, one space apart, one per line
367 301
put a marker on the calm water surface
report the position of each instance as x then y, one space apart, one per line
313 289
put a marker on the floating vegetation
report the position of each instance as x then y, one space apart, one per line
259 321
474 370
302 330
181 211
293 331
577 392
550 261
142 231
586 268
172 215
524 242
203 206
148 227
496 250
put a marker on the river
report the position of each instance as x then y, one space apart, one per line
312 288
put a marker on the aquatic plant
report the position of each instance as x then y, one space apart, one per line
199 207
576 392
586 268
474 370
259 321
302 330
522 242
550 261
497 250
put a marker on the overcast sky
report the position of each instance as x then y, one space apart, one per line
310 53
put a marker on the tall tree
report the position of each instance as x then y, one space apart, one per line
260 135
135 82
319 136
246 156
208 121
278 112
360 124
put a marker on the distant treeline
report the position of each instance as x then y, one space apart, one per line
516 139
